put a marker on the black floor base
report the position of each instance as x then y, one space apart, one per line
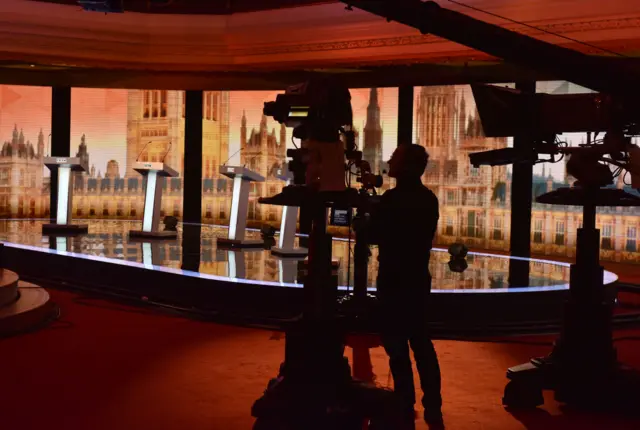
224 243
299 407
141 235
315 390
616 389
65 229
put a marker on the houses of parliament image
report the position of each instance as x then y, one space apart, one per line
474 203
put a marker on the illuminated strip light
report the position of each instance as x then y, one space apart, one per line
62 211
235 206
149 201
608 278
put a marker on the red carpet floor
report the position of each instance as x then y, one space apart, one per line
108 366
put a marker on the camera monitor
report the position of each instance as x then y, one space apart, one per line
340 217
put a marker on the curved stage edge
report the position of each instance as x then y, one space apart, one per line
268 302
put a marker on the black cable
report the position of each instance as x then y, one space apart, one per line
533 27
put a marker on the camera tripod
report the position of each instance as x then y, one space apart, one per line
582 368
314 389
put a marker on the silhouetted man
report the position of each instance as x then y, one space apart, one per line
403 226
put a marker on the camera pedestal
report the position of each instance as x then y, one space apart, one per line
314 389
582 369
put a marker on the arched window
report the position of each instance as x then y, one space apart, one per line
146 104
163 103
215 103
207 105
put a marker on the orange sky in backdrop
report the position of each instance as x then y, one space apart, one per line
101 114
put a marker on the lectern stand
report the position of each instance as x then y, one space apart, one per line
151 254
288 224
63 166
153 200
236 259
242 178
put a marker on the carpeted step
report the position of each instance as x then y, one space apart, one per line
8 287
32 309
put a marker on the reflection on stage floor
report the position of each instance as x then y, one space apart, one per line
195 250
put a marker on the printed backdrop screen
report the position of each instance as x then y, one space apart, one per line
474 202
260 143
113 128
25 123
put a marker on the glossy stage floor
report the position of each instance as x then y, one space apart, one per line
253 285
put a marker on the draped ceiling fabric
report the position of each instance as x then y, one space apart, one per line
322 35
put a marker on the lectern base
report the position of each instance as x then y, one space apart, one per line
335 264
289 252
65 229
139 234
223 242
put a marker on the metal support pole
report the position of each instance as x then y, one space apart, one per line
60 137
192 171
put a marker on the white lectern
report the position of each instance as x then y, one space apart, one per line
288 224
242 178
63 166
154 171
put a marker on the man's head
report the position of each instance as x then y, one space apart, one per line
408 161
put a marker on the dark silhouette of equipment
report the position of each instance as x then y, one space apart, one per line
582 369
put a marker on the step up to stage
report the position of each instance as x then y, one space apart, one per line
8 287
23 306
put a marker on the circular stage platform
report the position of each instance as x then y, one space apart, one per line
192 272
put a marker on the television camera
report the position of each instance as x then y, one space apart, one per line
319 111
321 116
544 117
314 389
